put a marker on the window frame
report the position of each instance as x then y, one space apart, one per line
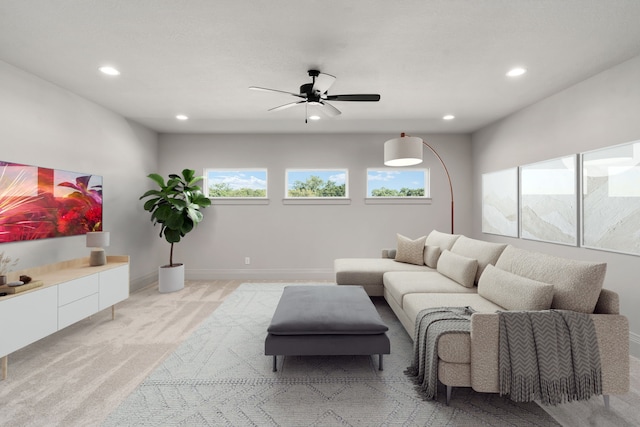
237 199
316 199
426 199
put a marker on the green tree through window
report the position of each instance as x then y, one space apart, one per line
316 183
403 192
398 183
239 183
222 189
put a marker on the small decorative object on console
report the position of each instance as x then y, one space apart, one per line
6 263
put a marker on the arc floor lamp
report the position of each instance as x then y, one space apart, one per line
407 151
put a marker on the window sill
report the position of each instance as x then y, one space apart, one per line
316 201
239 201
397 200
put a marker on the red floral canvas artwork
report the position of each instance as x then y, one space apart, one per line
39 203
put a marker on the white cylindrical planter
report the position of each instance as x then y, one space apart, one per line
171 279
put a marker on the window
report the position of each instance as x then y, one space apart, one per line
316 183
398 183
236 183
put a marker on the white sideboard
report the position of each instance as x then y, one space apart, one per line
71 291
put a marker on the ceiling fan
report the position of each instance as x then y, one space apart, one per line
315 93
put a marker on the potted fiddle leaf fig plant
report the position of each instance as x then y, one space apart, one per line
176 205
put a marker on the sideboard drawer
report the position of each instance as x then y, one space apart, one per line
77 310
77 289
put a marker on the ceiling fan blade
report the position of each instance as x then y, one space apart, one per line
285 106
264 89
323 82
330 110
355 97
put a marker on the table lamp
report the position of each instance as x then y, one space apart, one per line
97 240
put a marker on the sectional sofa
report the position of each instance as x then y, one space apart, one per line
446 270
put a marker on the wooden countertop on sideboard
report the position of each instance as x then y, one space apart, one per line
64 271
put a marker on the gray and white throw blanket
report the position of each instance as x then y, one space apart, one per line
548 355
431 323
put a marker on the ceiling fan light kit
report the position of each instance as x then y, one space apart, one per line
316 94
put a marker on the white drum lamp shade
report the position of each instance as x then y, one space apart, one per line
403 151
97 240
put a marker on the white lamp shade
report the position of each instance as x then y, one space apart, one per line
403 151
97 239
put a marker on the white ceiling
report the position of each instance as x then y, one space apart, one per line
426 58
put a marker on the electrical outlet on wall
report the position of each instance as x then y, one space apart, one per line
247 260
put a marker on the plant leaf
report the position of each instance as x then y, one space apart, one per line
188 174
172 236
157 178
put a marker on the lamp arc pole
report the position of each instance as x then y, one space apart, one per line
448 177
444 166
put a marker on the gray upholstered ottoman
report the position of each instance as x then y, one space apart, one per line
326 321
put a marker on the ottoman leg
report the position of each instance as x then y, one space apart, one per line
275 363
380 367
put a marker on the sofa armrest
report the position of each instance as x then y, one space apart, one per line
389 253
613 341
608 303
612 331
484 352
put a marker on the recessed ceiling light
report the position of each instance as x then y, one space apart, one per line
314 117
182 117
515 72
110 71
448 117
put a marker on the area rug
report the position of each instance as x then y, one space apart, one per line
220 376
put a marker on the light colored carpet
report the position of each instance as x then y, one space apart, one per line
77 376
220 376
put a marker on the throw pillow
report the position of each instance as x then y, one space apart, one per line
444 240
410 251
514 292
457 267
484 252
431 255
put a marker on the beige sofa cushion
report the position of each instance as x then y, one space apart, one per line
413 303
431 255
410 251
400 283
577 284
486 253
457 267
444 240
514 292
369 271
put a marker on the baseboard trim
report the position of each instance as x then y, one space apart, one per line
143 282
261 274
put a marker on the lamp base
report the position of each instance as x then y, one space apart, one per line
97 257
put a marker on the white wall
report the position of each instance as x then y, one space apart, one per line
44 125
598 112
301 242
